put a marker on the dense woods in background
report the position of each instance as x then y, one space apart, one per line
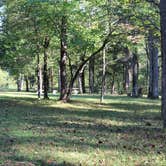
97 46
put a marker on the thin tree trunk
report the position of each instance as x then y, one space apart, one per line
39 72
81 81
45 70
163 51
113 83
63 59
39 76
51 79
147 66
91 75
103 88
59 80
126 79
27 83
135 67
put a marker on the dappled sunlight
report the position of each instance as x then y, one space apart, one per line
80 131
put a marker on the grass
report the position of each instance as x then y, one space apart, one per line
121 132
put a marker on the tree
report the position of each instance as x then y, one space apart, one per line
91 75
103 85
63 58
163 52
154 71
45 68
135 69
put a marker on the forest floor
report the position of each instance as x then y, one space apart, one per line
121 132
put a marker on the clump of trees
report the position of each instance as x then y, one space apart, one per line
92 46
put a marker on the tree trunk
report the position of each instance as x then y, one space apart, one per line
103 86
20 83
27 83
153 72
113 83
81 81
73 79
63 59
91 75
163 51
45 70
126 79
135 67
51 79
39 75
59 80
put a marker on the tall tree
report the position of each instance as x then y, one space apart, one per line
153 63
163 52
103 84
135 68
63 58
45 68
92 75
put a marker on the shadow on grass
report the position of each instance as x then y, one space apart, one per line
79 127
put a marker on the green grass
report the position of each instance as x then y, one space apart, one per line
121 132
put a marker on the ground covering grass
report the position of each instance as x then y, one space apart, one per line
121 132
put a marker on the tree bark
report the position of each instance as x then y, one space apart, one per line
20 83
126 79
39 77
103 86
153 71
135 68
163 52
45 70
81 81
51 73
113 83
39 72
63 59
59 80
27 83
91 75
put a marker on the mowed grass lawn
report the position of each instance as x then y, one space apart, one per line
121 132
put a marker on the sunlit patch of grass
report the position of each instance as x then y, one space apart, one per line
122 131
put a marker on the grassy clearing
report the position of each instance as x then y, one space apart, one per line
121 132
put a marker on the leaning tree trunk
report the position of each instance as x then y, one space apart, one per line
103 86
91 75
45 70
163 51
74 77
135 67
63 59
153 72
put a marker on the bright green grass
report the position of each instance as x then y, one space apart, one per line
121 132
